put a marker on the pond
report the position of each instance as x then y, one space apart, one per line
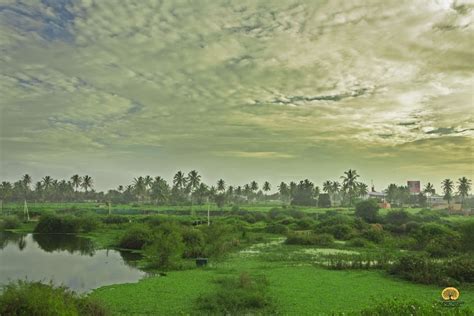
65 260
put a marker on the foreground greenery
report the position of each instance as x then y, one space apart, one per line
286 260
34 298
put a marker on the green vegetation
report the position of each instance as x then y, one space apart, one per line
34 298
279 254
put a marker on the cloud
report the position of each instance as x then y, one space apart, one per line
125 80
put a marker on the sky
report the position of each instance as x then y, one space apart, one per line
240 90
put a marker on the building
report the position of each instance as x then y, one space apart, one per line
414 186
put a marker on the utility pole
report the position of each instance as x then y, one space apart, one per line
208 213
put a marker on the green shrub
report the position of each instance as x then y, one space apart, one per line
53 224
397 217
367 210
115 219
193 243
417 268
277 229
245 295
136 237
408 307
467 236
35 298
360 242
10 222
323 240
167 247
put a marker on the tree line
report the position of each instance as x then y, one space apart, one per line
186 189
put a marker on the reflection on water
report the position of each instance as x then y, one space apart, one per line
64 259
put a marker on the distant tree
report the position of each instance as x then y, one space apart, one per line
220 185
349 182
254 186
266 188
429 190
284 191
139 188
193 180
391 193
447 186
179 180
160 191
464 186
324 200
120 188
304 194
76 181
362 189
26 181
87 183
367 210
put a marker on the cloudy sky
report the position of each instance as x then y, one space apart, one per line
264 90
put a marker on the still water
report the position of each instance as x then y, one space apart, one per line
64 259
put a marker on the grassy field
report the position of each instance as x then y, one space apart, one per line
298 288
138 209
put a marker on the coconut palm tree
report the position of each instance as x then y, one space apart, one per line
464 186
254 186
26 181
47 181
266 188
179 180
447 186
76 181
362 189
429 190
349 182
193 179
139 188
284 192
87 183
220 185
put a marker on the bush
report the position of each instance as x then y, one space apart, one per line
360 242
136 237
397 217
417 268
35 298
115 219
245 295
52 224
367 210
167 247
323 240
277 229
10 222
193 243
410 308
467 236
305 224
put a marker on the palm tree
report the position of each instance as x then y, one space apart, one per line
47 181
26 180
362 189
464 186
447 186
266 187
179 180
87 183
120 188
193 180
220 185
284 192
254 186
76 181
139 187
429 190
349 182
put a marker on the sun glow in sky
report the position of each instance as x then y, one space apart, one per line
243 90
